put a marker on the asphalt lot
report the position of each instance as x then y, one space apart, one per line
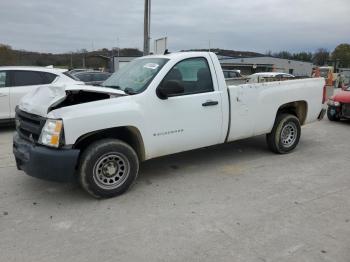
235 202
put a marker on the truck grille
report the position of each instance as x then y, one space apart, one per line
28 126
346 110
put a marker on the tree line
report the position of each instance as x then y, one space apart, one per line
322 56
100 58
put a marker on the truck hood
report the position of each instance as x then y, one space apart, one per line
43 99
342 97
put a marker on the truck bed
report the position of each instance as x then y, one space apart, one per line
254 106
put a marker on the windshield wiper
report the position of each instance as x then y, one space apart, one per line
128 90
115 87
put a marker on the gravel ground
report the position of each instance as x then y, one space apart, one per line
234 202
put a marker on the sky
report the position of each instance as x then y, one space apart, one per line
70 25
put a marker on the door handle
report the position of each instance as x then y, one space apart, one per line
210 103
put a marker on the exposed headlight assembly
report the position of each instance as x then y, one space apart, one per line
333 103
52 133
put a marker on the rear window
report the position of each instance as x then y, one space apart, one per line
100 77
48 77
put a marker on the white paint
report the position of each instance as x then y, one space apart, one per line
181 123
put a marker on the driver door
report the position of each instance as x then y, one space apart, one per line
189 120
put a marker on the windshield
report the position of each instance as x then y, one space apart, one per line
135 77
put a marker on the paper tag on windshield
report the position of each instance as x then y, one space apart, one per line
151 66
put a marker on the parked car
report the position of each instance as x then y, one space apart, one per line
16 81
339 105
78 70
269 77
233 77
154 106
92 77
231 73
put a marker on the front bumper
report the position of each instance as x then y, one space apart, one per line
342 111
43 162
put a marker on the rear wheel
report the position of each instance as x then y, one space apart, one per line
285 134
108 168
332 114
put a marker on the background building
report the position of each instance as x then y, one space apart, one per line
251 65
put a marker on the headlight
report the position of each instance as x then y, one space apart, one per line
51 133
333 103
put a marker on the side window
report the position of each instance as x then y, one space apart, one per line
27 78
48 78
233 74
194 74
3 79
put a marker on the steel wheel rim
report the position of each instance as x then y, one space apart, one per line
289 134
111 170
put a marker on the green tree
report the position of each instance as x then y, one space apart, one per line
303 56
321 56
342 53
283 55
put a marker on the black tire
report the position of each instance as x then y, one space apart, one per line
285 134
331 116
108 168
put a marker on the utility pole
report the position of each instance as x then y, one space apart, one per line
118 45
83 60
147 28
71 60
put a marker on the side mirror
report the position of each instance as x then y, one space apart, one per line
170 88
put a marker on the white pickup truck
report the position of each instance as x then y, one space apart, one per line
154 106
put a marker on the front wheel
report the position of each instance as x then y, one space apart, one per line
108 168
285 134
332 114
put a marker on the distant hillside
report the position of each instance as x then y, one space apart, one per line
94 59
99 58
232 53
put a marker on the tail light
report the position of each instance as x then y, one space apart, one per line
324 98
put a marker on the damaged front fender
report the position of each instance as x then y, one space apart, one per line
47 98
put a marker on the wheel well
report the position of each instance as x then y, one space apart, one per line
128 134
297 108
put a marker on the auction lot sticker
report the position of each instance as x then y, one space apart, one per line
152 66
